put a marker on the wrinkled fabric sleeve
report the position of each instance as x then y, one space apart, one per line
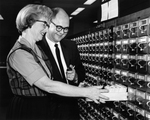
24 63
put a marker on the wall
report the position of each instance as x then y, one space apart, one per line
118 53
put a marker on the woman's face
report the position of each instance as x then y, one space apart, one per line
39 28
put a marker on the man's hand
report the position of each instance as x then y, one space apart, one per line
71 74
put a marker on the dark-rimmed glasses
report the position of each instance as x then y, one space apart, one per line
45 23
60 28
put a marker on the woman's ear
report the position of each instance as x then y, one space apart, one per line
30 21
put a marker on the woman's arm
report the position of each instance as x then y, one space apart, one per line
23 62
63 89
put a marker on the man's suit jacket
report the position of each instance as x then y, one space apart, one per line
64 108
71 56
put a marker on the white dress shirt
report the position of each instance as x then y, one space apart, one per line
52 48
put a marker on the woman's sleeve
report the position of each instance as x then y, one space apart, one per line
24 63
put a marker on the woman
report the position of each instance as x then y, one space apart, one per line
30 73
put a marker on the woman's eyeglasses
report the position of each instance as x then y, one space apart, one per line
60 28
45 23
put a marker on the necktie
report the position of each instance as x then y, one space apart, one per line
59 61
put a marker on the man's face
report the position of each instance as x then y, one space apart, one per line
58 28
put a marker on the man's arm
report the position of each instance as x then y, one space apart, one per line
79 68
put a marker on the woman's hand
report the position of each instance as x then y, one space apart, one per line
94 94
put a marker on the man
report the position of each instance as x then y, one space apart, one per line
64 108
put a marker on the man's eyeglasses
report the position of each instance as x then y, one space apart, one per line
45 23
60 28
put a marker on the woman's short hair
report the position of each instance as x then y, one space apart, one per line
30 13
